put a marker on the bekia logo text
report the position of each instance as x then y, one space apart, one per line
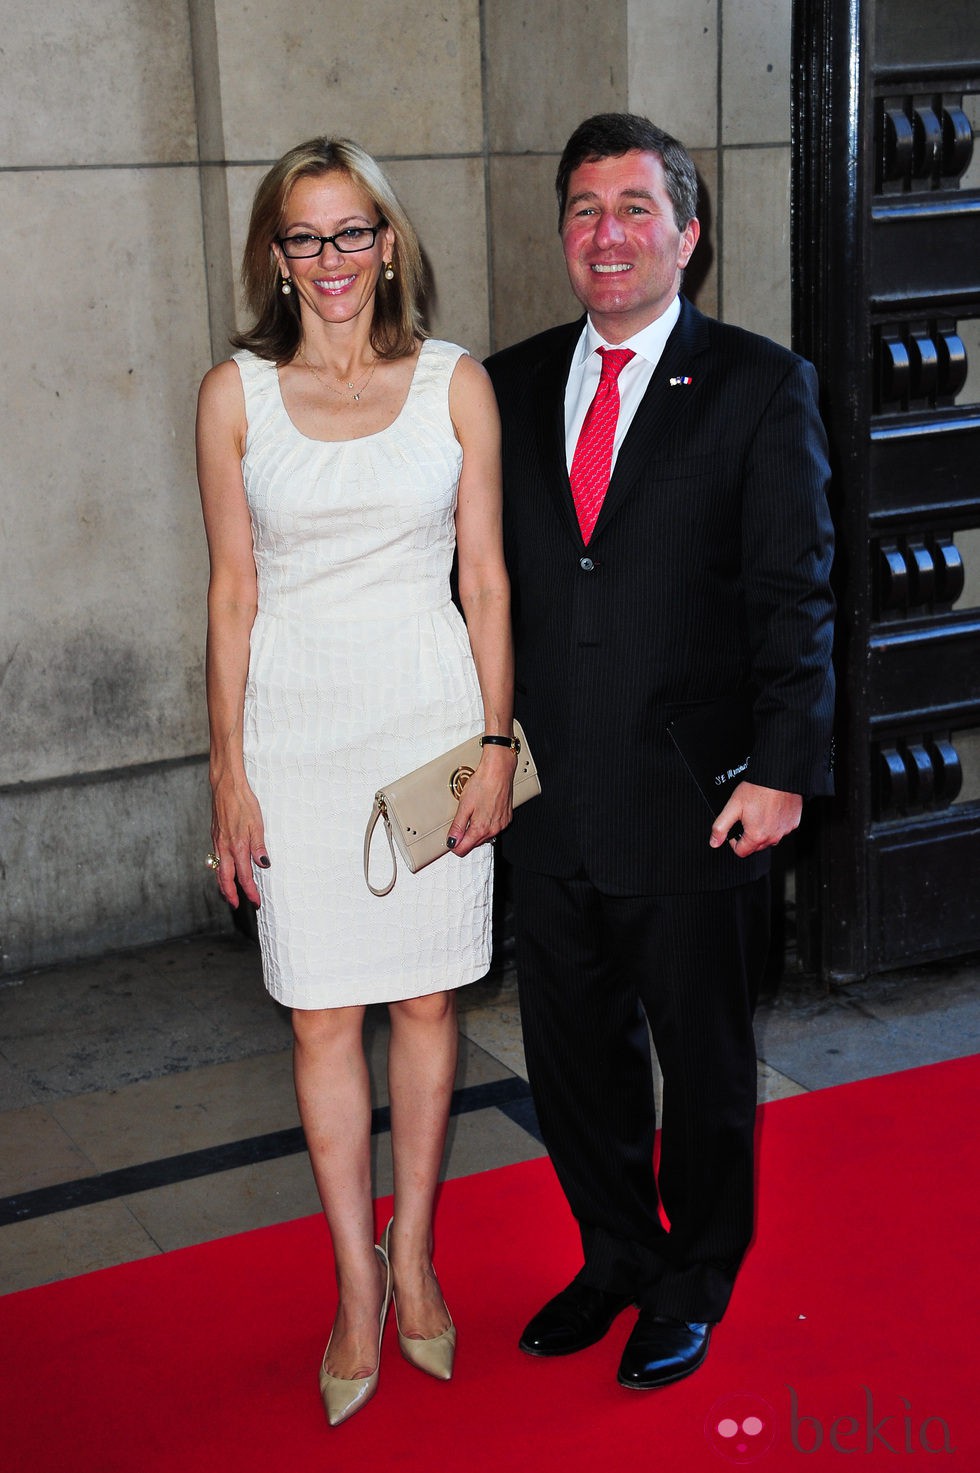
895 1432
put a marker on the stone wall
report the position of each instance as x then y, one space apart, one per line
131 139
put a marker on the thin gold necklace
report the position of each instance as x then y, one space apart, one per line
356 396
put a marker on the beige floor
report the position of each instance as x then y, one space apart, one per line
119 1065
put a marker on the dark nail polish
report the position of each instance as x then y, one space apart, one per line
264 861
450 842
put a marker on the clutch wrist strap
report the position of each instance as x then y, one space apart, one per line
489 740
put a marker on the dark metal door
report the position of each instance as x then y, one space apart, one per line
886 243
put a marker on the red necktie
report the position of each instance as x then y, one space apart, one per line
592 460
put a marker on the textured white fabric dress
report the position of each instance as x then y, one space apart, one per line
360 670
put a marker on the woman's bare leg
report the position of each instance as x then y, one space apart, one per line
421 1070
334 1097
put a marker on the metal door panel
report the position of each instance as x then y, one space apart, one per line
886 288
917 876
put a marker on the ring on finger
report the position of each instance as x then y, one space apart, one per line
212 860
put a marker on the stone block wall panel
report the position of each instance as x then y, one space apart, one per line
105 82
549 65
446 202
530 283
755 84
400 79
673 67
755 260
104 564
99 864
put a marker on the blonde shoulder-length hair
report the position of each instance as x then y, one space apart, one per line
397 324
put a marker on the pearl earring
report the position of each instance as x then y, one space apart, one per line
389 271
286 287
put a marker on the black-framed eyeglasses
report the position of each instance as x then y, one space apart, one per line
300 243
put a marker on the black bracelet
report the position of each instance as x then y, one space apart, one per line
501 741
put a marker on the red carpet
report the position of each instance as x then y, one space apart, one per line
850 1334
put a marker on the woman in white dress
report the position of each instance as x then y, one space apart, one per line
342 459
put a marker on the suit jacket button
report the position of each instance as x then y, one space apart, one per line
586 564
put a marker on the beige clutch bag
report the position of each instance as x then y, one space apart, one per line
418 808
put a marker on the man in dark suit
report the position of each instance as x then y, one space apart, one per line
669 547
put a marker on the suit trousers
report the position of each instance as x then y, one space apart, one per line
594 969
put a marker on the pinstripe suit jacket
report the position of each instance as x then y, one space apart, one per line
709 581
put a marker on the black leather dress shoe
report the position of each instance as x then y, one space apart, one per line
573 1320
661 1350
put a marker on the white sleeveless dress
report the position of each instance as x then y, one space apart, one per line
360 670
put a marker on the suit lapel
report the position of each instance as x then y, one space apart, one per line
661 406
548 387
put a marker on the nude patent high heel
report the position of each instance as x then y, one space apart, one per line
341 1399
434 1356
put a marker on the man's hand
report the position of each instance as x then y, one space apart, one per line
766 815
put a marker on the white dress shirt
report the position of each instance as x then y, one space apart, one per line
583 376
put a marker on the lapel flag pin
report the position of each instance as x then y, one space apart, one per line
675 383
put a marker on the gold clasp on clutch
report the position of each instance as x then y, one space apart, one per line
459 780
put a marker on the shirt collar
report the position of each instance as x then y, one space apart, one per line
648 343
